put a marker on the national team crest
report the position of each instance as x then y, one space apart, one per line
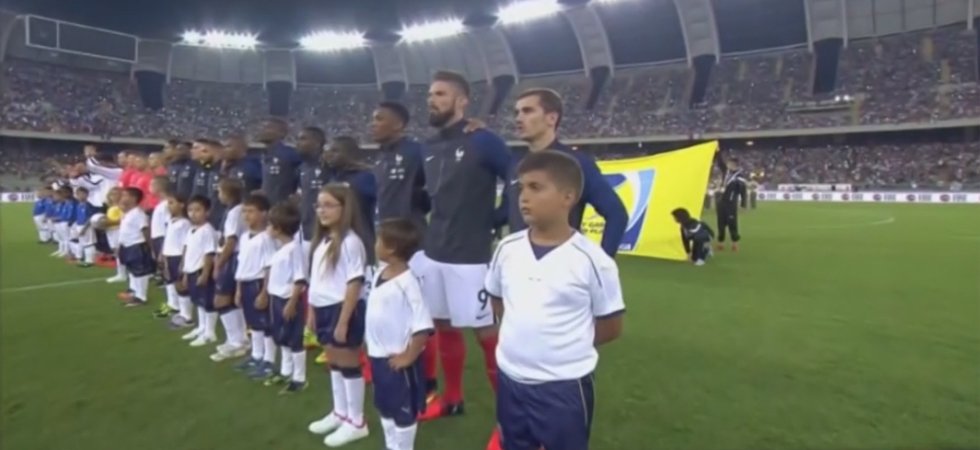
459 154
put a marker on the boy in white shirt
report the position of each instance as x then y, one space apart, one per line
284 288
134 246
256 247
197 268
557 296
226 262
160 187
171 254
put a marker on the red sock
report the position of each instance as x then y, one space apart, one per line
452 352
365 367
490 359
430 364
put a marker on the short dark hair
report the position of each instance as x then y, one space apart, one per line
207 141
285 218
135 193
200 200
455 78
402 236
81 189
549 99
234 189
318 133
279 122
398 109
258 201
564 170
681 215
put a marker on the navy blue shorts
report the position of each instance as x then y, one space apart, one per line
157 244
173 274
203 296
555 415
325 319
225 283
287 333
257 319
137 259
398 395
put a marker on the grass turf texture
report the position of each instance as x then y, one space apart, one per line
836 326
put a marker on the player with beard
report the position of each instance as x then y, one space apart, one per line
180 167
207 154
461 173
280 162
237 165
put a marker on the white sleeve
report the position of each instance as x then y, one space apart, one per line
182 232
112 173
353 257
606 291
233 225
421 319
493 283
297 264
268 249
142 219
209 243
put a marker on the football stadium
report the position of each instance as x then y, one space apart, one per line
740 224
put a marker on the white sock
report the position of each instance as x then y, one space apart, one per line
238 319
405 437
186 307
391 441
121 271
89 254
140 286
355 400
211 327
339 389
76 249
202 319
270 350
258 345
172 301
286 365
299 366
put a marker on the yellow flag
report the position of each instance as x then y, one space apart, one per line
651 187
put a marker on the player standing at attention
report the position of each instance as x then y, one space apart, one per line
159 219
237 165
732 190
461 173
397 326
339 267
207 174
284 288
180 167
696 236
342 166
280 162
538 114
134 246
225 266
178 228
197 267
311 177
558 297
256 246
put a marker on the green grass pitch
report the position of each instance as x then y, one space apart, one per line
838 326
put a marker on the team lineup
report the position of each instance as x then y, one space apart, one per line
386 265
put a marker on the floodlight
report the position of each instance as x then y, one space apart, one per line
607 2
432 30
220 39
193 37
328 41
527 10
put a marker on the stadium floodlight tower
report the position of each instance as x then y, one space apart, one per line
331 41
430 31
220 39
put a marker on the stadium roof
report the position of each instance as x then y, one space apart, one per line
623 32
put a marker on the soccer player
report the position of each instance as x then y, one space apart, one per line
156 164
172 251
141 178
461 173
134 246
159 219
558 297
696 236
342 166
225 265
198 267
399 172
311 176
339 268
280 162
256 246
733 193
237 165
207 174
180 167
284 288
538 114
82 229
397 326
42 200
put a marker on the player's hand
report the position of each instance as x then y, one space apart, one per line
183 283
340 333
262 301
216 272
473 125
400 361
221 301
289 311
202 280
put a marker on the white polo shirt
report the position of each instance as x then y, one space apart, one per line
131 228
550 306
254 252
202 240
176 236
234 224
287 266
158 221
395 313
328 284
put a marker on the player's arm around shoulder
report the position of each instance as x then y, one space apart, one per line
607 297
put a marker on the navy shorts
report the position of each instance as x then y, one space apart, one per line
287 333
203 296
157 244
173 274
556 415
399 395
137 259
225 283
257 319
325 319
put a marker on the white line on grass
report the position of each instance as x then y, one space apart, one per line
37 287
885 221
